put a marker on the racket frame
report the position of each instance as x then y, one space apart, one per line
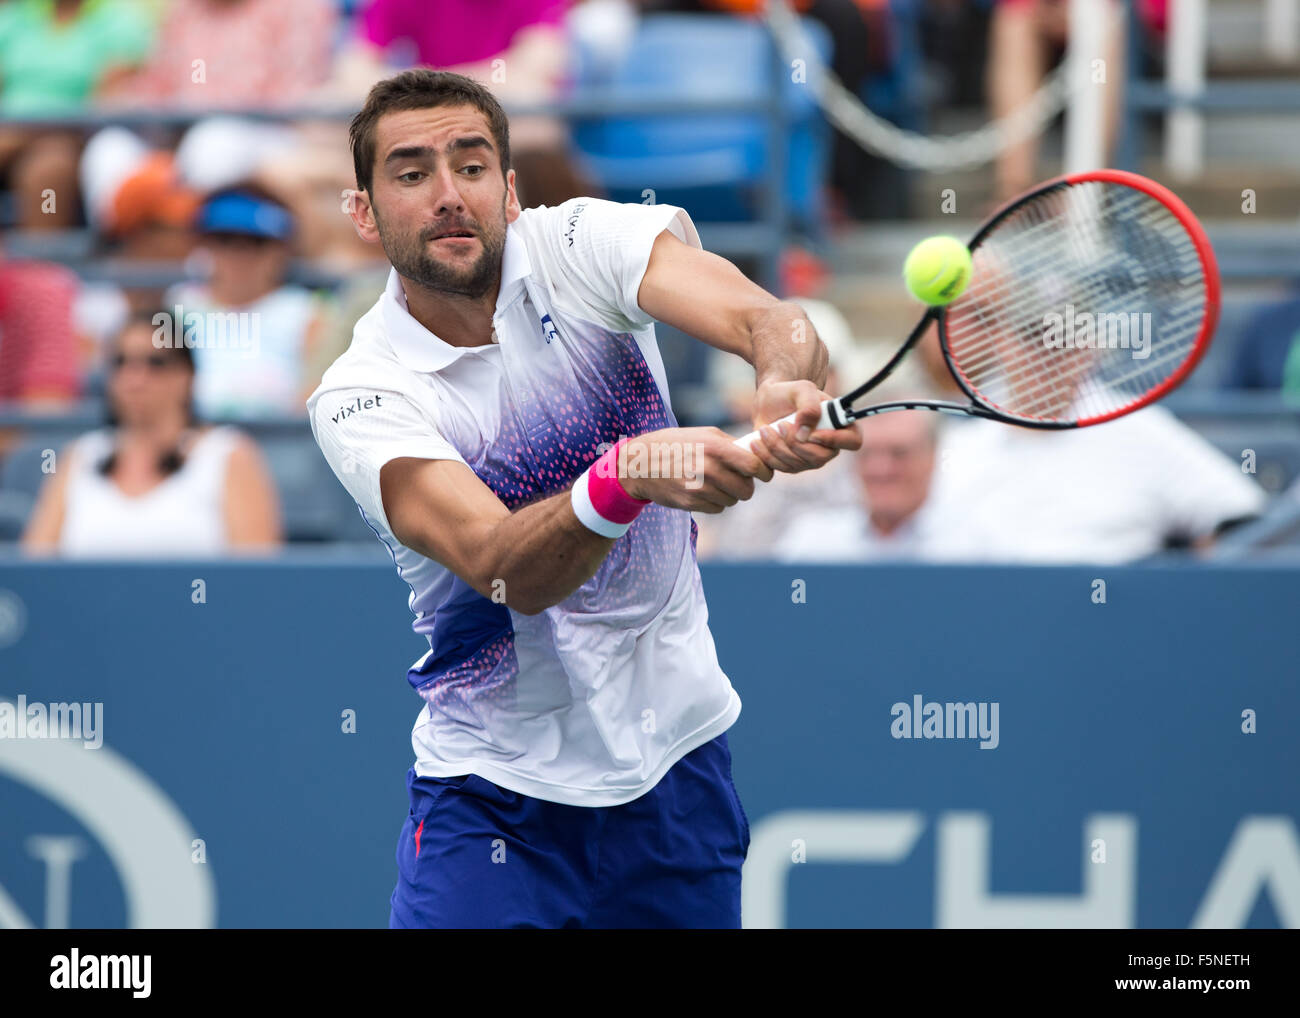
841 414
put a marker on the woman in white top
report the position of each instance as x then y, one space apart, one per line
155 481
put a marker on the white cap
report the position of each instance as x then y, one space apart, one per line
222 151
109 158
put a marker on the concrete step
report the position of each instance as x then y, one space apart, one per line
1250 66
1218 192
1235 28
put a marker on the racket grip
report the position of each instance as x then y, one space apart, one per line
832 417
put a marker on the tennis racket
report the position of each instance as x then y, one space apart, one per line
1091 296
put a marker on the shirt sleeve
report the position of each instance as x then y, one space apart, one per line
1202 487
600 249
361 429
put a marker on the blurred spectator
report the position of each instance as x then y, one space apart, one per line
893 520
134 197
55 56
518 48
222 151
139 210
304 165
237 54
255 54
38 340
155 481
257 330
351 301
1268 353
1107 494
467 37
1026 37
749 529
929 356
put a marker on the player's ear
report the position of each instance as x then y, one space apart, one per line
356 204
512 198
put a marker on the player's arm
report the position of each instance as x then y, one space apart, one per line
45 525
533 558
538 555
706 296
249 503
406 476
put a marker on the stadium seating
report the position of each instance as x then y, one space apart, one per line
713 164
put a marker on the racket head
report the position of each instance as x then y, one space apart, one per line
1091 296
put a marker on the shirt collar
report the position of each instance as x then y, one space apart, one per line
418 348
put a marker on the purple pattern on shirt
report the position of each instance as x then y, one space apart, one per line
490 673
598 389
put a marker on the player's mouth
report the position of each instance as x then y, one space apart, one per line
454 237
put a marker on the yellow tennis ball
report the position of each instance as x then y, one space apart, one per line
937 270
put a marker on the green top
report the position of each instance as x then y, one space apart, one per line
54 67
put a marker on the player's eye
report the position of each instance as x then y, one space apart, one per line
473 169
410 176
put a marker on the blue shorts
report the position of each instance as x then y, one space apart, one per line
476 855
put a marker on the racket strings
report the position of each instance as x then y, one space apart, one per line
1082 301
1059 384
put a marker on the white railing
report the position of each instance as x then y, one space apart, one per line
1185 48
1281 29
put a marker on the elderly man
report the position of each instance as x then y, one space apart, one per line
894 468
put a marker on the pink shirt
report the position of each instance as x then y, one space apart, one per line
38 344
255 53
450 32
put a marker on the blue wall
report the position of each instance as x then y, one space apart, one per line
1126 714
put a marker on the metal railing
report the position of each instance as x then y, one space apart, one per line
1185 95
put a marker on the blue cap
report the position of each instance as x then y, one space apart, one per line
241 212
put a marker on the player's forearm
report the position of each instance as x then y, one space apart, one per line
539 555
785 346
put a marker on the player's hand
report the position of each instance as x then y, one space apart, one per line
786 450
697 469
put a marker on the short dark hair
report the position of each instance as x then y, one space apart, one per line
419 89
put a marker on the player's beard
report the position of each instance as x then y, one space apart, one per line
410 256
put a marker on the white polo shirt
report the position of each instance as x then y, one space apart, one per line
1105 494
591 701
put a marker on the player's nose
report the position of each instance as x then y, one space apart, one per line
447 197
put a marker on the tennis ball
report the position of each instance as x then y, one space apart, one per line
937 270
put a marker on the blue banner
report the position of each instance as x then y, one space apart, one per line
923 746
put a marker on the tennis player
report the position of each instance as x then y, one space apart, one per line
502 421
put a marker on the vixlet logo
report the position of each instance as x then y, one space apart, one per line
549 330
357 405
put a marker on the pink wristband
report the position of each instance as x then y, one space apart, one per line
608 496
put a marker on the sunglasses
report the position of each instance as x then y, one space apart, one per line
153 361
